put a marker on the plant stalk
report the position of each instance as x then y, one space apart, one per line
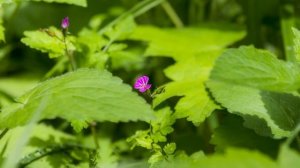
172 14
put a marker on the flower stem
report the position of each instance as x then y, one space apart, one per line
70 56
94 132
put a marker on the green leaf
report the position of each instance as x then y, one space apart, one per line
195 50
122 30
47 41
184 43
2 29
86 94
240 81
260 69
5 1
296 43
170 148
244 138
78 125
233 158
82 3
288 157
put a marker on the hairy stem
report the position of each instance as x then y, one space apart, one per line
94 132
70 56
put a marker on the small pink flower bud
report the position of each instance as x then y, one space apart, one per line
65 23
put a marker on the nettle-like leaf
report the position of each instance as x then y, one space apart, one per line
83 95
194 50
233 158
48 41
255 84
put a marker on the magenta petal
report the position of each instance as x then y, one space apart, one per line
143 89
137 85
148 86
144 79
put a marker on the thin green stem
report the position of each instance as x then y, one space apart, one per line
172 14
69 55
94 132
135 11
40 153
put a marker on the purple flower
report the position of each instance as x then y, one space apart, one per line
141 84
65 23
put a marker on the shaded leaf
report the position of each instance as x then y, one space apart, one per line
244 138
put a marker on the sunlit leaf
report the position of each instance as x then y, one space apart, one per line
244 80
195 50
86 94
48 41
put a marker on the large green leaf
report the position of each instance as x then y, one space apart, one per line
83 95
184 43
244 80
260 69
194 50
188 82
288 157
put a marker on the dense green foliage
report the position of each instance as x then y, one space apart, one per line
225 78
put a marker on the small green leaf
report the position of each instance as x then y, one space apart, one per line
170 148
79 125
48 41
156 157
86 94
